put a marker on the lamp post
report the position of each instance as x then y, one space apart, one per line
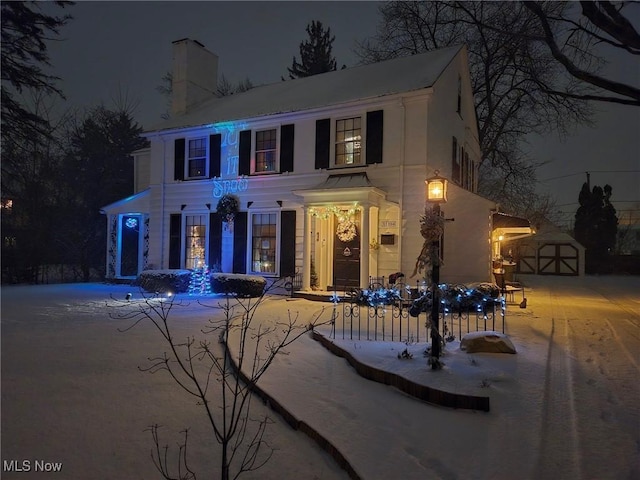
436 194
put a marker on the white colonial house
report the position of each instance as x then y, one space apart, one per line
328 169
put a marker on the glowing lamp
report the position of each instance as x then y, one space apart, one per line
436 189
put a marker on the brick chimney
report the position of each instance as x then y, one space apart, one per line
195 75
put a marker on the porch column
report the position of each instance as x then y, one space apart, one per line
306 253
364 246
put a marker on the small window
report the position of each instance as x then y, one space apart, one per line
266 151
197 158
263 242
348 141
195 241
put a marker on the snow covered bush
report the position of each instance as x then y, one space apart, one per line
170 280
238 284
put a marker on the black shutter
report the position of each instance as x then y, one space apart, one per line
215 240
175 239
215 143
240 243
288 243
323 140
375 128
178 165
286 148
244 153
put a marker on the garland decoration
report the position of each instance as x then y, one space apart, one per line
346 231
431 229
228 206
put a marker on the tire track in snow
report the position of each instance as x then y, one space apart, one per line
559 452
622 346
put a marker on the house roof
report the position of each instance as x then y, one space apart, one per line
370 81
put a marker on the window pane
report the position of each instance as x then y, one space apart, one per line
266 151
348 141
263 242
195 240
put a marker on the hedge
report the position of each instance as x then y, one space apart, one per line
238 284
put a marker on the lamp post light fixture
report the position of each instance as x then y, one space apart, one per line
436 194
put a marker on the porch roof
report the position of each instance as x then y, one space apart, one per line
137 203
344 187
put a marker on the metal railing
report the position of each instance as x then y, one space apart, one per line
403 321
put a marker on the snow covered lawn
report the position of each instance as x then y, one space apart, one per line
565 406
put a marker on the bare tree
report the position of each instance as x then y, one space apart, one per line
511 74
223 385
572 37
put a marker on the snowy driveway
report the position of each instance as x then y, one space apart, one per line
566 407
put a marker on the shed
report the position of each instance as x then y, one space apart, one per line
550 252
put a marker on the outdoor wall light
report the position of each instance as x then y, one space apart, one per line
436 188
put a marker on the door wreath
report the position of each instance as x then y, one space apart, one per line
346 231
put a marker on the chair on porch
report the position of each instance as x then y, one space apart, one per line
376 283
508 289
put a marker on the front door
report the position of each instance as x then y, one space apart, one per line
346 254
130 245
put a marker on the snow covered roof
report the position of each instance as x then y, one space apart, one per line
374 80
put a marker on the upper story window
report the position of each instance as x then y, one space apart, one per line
197 158
266 151
348 141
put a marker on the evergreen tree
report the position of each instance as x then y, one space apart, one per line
98 170
25 30
596 226
315 53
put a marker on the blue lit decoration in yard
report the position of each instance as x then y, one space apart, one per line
131 222
200 281
460 298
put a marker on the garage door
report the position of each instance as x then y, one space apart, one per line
558 259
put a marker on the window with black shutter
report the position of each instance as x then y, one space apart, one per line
375 129
288 243
178 164
240 243
215 241
215 145
175 240
244 153
286 147
323 143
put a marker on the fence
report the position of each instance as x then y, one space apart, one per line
402 321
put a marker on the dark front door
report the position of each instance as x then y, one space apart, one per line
130 232
346 256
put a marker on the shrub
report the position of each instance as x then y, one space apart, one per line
238 284
172 280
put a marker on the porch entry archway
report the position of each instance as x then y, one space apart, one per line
340 250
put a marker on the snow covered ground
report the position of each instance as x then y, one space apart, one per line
565 406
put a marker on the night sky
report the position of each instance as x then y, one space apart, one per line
115 48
